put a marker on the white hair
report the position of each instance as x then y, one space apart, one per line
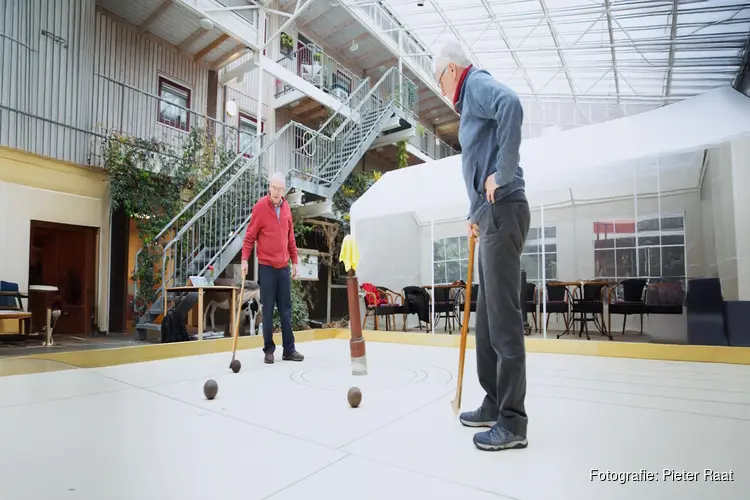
278 177
451 52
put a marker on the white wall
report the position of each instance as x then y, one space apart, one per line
726 218
740 185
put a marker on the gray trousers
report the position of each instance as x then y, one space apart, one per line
501 353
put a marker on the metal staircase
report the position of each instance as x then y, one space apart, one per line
312 161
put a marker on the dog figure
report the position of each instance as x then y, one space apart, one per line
222 300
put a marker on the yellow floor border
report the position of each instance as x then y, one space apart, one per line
151 352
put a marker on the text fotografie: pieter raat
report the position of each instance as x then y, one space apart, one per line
643 475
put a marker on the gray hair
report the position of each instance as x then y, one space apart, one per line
278 177
451 52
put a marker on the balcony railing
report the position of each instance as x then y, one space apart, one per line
388 27
315 66
431 145
125 110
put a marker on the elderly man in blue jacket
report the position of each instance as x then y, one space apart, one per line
490 135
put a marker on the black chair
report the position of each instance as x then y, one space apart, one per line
444 308
417 301
704 304
460 302
557 301
591 303
631 301
529 303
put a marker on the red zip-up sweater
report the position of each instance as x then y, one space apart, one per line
275 236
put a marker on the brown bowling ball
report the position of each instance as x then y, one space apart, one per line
210 389
235 365
354 396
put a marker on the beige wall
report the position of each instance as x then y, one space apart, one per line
37 188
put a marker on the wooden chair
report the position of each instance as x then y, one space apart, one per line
380 301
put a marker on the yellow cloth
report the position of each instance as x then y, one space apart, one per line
349 253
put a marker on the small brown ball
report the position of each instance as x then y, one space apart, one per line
235 365
210 389
354 396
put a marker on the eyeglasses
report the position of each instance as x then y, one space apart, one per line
440 80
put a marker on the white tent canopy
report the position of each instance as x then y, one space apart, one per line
655 152
593 162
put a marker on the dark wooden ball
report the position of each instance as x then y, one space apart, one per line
210 389
354 396
235 365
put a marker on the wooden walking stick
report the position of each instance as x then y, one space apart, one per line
464 327
236 321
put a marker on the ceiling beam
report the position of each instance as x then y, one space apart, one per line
615 71
191 39
237 52
670 61
210 47
161 9
511 49
556 41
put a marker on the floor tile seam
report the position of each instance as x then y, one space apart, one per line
232 417
308 476
396 419
439 478
65 398
659 396
624 405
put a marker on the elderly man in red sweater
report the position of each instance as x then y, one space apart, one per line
272 228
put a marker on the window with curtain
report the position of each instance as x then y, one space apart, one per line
451 259
533 251
173 104
248 126
652 247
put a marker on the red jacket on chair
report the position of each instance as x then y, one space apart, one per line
372 290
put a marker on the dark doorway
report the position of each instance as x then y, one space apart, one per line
64 256
118 270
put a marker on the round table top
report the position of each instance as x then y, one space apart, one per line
43 288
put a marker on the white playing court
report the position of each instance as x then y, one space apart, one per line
145 431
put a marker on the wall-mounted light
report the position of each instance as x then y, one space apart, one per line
354 46
231 108
206 24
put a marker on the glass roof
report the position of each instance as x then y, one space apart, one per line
641 50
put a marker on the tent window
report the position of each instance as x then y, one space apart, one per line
654 247
451 256
531 259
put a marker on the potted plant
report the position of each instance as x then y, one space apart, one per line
210 275
287 44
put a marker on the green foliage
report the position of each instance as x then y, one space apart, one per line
420 130
402 155
287 42
301 230
152 181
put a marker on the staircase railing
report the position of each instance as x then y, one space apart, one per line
296 149
208 192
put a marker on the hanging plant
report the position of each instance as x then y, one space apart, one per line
287 42
402 155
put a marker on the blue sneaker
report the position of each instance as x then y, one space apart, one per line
499 438
480 417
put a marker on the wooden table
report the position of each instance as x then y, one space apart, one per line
200 290
23 317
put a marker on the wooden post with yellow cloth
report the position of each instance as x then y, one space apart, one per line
350 257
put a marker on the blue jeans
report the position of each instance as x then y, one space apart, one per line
276 288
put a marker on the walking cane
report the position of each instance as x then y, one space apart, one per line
236 320
464 327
